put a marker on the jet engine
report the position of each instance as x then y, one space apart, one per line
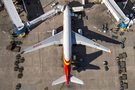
54 32
80 31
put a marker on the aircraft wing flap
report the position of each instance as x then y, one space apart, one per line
79 39
56 39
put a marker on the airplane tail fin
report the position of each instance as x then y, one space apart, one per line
63 79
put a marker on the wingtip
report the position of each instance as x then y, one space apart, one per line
82 83
22 52
111 51
53 84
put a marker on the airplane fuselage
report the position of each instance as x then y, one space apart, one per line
67 47
67 43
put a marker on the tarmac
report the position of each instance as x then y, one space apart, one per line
42 67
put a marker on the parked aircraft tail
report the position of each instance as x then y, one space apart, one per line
63 79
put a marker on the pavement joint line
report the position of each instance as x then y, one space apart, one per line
92 9
48 4
51 18
53 22
111 18
114 62
36 74
4 33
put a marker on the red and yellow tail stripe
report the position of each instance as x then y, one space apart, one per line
67 62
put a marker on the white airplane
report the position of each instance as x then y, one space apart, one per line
67 38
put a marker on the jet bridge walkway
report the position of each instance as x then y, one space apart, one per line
117 12
43 17
13 15
18 25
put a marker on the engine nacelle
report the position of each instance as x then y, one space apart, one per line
80 31
54 32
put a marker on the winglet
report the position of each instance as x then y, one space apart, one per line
22 52
110 51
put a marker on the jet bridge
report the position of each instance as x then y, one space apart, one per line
43 17
14 16
18 25
117 12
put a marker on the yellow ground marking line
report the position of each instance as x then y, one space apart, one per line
62 85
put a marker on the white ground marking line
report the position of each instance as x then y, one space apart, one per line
95 27
99 30
49 31
4 33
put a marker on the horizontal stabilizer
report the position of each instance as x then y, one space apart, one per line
75 80
60 80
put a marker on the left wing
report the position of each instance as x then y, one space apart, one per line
56 39
79 39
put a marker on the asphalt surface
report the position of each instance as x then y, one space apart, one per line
42 67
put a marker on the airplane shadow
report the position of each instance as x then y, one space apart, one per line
127 9
78 24
34 9
91 57
76 3
80 52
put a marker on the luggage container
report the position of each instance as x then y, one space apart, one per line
78 9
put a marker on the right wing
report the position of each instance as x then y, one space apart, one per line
56 39
79 39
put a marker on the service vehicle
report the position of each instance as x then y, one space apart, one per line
13 46
123 40
121 56
122 46
114 37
